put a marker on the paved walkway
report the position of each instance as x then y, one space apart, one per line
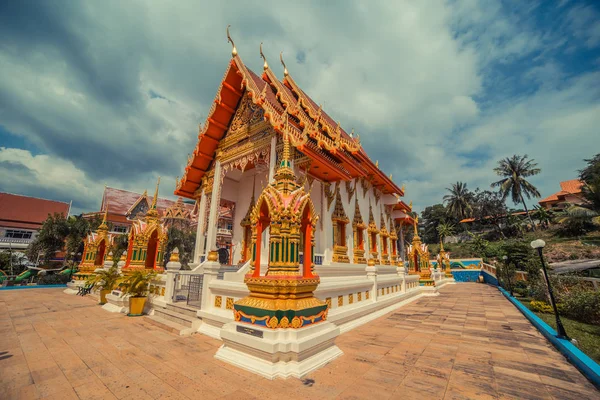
467 343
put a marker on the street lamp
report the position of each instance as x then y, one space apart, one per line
560 329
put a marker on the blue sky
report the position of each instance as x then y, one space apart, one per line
112 92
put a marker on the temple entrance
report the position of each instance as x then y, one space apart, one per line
306 243
100 253
262 225
151 252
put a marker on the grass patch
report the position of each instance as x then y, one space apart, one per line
587 335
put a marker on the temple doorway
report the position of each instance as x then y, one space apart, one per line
100 253
151 252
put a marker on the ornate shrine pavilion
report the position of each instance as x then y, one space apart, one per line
239 147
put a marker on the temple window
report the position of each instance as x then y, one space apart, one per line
339 220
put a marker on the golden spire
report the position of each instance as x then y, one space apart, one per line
230 40
103 225
377 163
262 55
286 148
153 206
415 226
285 70
402 188
352 133
441 244
410 205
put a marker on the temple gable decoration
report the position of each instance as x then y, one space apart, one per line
339 220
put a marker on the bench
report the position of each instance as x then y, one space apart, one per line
83 290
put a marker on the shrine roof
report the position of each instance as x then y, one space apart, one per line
120 201
572 186
17 211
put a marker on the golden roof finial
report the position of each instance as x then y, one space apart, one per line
410 205
377 163
441 244
285 70
103 225
352 133
402 188
286 148
262 55
390 177
153 206
230 40
415 225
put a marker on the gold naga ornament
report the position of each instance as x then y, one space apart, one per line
147 241
282 297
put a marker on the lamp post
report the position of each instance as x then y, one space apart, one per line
560 329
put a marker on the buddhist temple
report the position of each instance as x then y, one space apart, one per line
241 143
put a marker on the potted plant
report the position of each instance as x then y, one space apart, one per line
136 286
107 279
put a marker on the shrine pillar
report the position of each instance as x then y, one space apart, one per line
213 215
273 158
200 232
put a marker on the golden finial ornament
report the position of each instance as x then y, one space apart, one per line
285 70
262 55
230 40
154 200
410 205
174 255
402 188
390 177
377 163
352 133
415 225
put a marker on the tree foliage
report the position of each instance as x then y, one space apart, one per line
590 175
432 217
50 239
576 220
458 201
489 210
185 240
514 171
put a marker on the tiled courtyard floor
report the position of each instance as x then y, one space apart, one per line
469 342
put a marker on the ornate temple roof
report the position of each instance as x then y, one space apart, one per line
335 154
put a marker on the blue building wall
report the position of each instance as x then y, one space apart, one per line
467 275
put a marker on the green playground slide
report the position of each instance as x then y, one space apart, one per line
3 276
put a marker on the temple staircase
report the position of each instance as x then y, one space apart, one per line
178 318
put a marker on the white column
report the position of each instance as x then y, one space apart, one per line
200 237
273 158
213 215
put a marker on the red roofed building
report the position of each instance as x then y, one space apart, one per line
123 207
569 194
21 217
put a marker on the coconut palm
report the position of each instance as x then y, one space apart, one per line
543 215
459 200
514 170
445 229
576 220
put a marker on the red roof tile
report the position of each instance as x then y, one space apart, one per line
573 186
18 211
120 201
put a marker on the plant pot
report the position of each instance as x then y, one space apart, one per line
136 306
103 294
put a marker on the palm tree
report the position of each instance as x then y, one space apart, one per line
459 200
576 220
514 170
445 229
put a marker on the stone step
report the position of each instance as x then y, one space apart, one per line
183 308
169 326
174 316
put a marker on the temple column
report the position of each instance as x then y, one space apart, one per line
200 237
402 251
213 215
273 158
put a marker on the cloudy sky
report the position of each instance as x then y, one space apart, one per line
112 92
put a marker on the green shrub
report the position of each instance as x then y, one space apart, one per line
582 305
